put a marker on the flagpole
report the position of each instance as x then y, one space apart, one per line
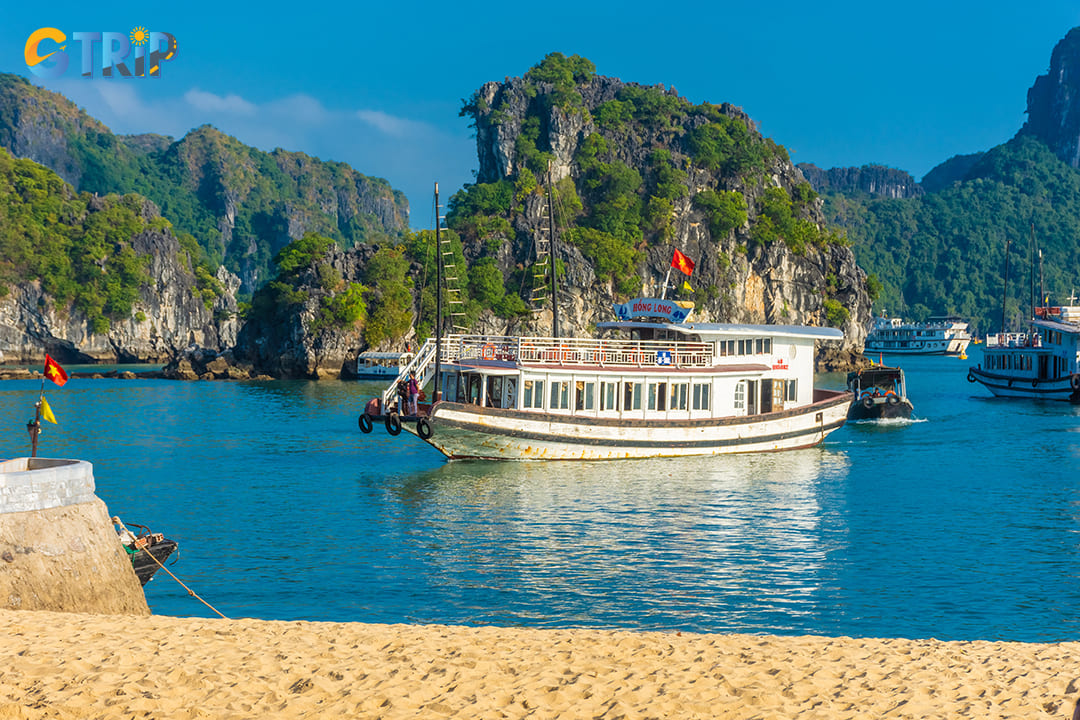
34 427
663 293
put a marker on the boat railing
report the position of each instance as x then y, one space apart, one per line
579 351
1015 340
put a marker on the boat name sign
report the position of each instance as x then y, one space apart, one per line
669 310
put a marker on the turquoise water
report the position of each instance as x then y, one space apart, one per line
964 524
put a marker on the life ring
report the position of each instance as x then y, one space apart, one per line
1075 381
488 352
893 398
423 428
365 423
868 402
393 424
971 377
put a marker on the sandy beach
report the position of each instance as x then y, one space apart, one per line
61 665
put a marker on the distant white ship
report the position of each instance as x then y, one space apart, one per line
1043 364
937 336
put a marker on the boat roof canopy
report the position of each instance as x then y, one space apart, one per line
1061 327
712 331
372 355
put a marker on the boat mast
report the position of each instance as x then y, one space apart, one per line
554 262
1005 290
436 395
1031 268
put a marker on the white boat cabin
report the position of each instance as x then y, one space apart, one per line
381 364
639 370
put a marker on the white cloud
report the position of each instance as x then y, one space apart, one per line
211 103
390 124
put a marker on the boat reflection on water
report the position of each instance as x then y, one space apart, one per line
577 543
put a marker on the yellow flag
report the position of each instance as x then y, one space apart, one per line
46 411
686 286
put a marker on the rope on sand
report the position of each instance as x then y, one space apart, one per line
190 591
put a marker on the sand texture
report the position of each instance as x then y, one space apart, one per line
61 665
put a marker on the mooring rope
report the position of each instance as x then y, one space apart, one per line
191 592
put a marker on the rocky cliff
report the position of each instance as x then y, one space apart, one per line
100 279
1053 102
876 180
639 172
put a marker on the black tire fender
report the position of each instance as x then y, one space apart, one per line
393 424
894 400
1075 381
365 423
868 402
423 428
1034 382
971 377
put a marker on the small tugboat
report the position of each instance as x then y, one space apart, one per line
148 550
880 393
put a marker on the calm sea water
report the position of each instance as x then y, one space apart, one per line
962 525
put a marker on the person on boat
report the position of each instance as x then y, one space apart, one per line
402 395
414 393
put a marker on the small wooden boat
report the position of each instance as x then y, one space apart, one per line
879 393
148 550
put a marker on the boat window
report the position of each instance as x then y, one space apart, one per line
742 347
584 395
473 383
494 392
740 395
532 395
631 396
609 396
791 394
701 396
768 345
658 396
680 393
560 396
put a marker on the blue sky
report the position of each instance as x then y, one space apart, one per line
379 85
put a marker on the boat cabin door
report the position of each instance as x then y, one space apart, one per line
751 397
1044 366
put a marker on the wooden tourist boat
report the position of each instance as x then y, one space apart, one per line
937 336
641 389
1043 364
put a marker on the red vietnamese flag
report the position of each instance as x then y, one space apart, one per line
54 372
683 263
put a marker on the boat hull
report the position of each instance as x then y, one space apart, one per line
145 566
899 410
469 431
1013 386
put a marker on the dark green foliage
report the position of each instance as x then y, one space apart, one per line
944 251
302 254
654 108
564 74
391 305
835 313
613 115
727 145
726 210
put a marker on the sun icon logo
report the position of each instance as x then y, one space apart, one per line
139 36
